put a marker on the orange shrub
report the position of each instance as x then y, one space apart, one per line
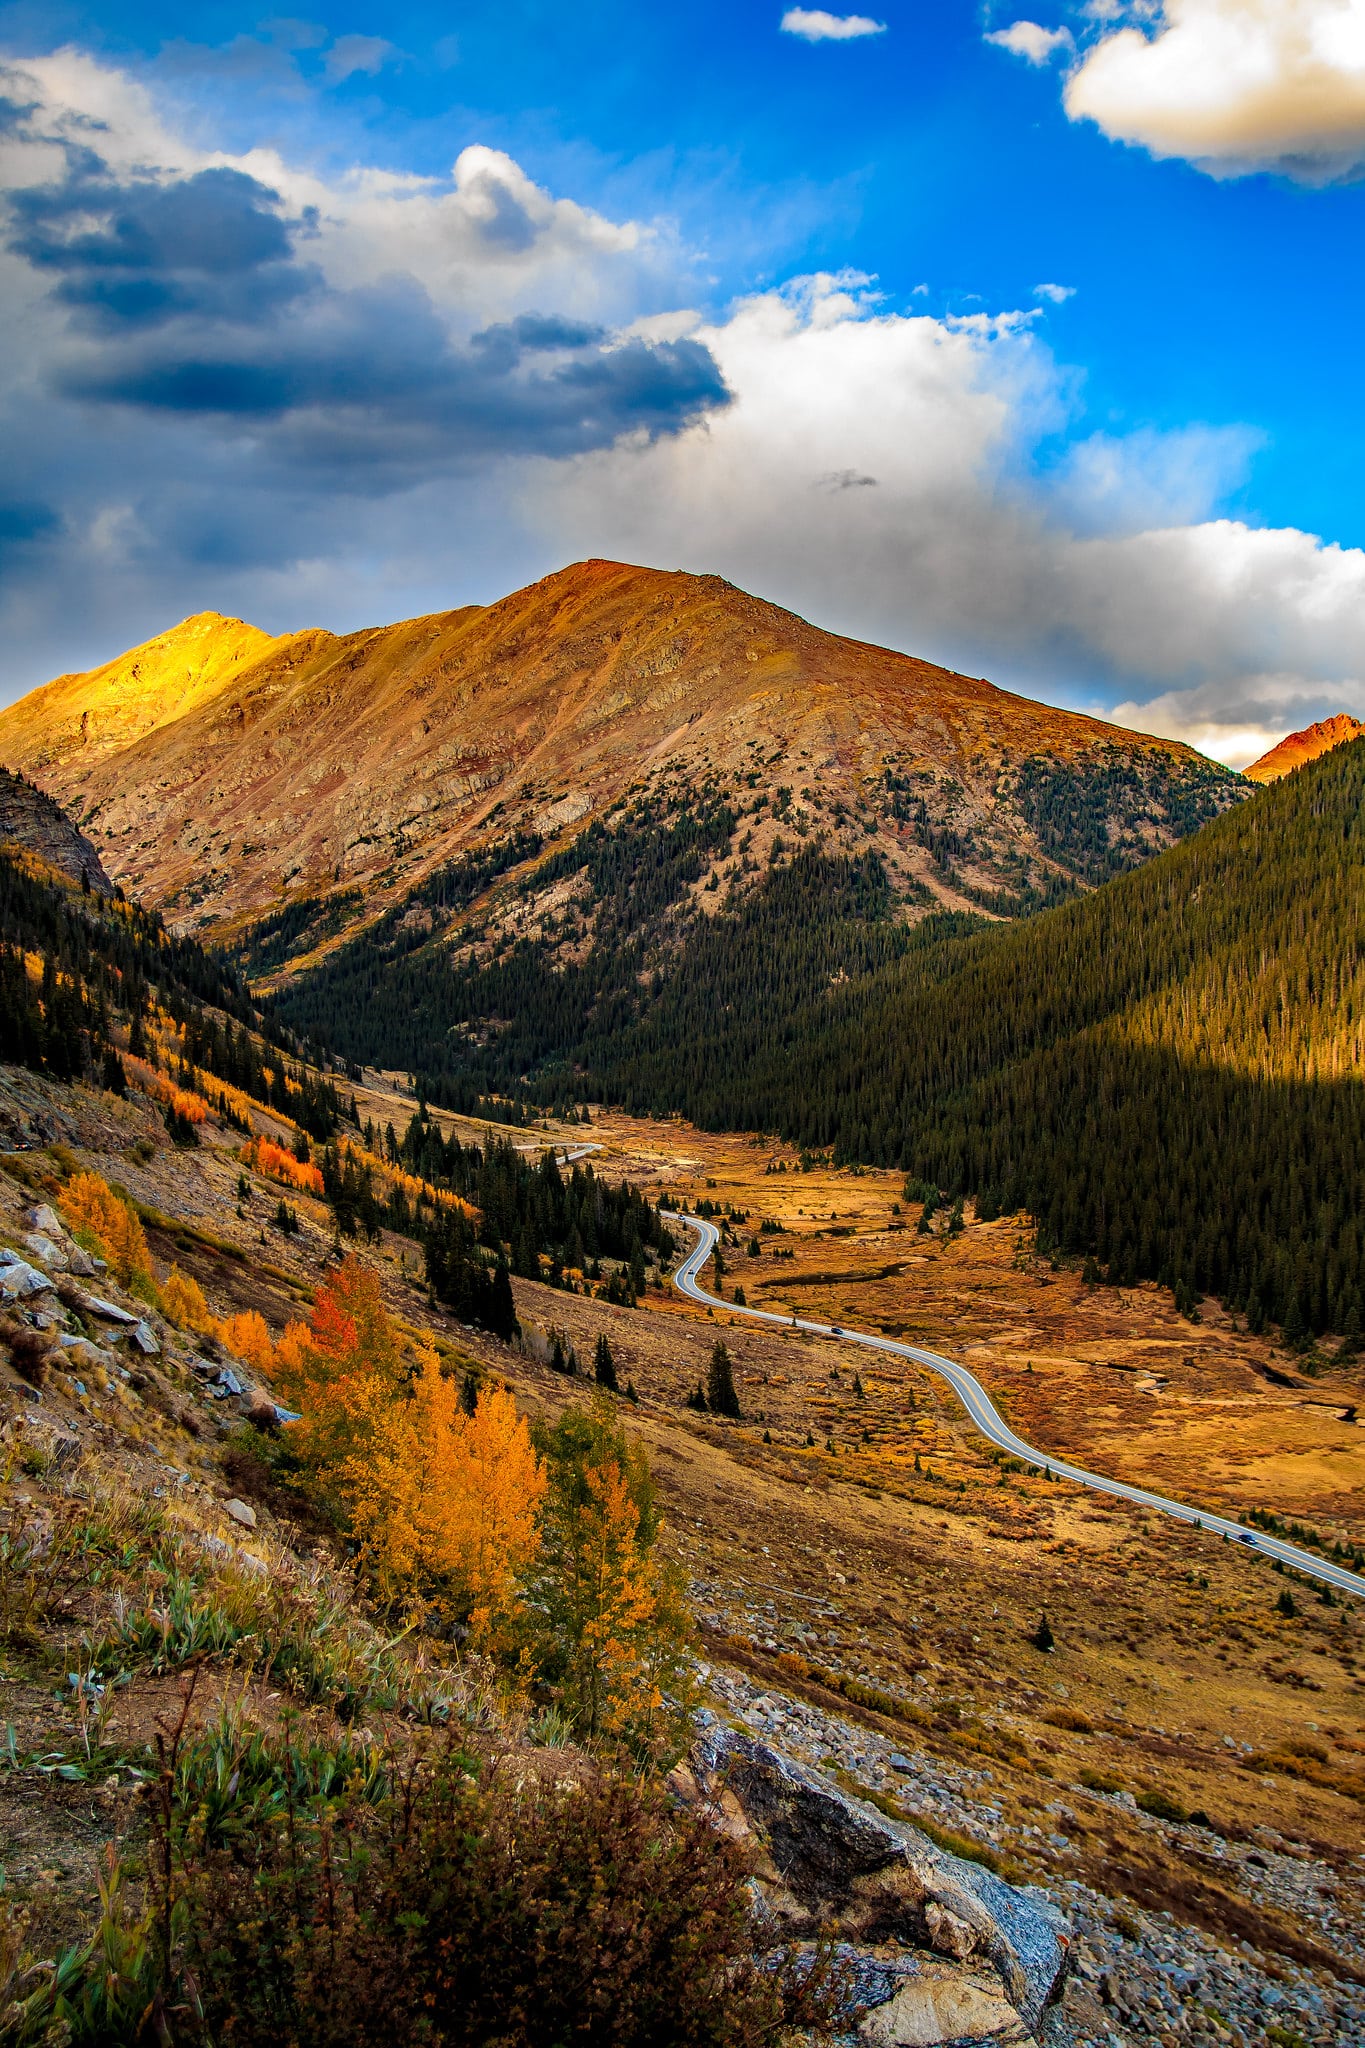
446 1503
340 1375
277 1164
247 1337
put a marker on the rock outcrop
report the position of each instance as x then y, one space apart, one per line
943 1950
33 821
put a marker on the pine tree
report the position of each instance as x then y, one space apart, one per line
1042 1637
721 1397
604 1365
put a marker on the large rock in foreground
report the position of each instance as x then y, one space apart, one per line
990 1959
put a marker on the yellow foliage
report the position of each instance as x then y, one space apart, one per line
247 1337
448 1501
162 1089
93 1210
280 1165
183 1303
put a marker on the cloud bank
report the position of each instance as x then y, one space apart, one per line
1107 572
1233 85
227 382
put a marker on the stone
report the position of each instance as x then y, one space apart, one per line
45 1218
81 1352
48 1250
949 1935
229 1382
850 1868
108 1310
80 1262
240 1512
942 2009
145 1338
20 1282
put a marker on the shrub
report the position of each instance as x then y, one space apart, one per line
30 1351
1161 1806
609 1623
339 1902
277 1164
1100 1781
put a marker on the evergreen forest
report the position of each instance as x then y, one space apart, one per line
1166 1071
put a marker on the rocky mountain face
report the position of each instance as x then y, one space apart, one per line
1297 747
319 779
32 820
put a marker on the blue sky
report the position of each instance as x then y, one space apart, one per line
1136 492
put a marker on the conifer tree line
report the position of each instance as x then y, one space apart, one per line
102 960
534 1220
1169 1073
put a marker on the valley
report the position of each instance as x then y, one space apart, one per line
985 1029
868 1577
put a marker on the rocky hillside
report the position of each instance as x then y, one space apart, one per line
319 778
1297 747
32 821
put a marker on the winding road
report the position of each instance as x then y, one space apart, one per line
983 1412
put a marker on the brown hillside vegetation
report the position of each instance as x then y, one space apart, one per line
1297 747
861 1568
222 773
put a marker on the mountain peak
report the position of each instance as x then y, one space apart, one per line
88 716
1297 747
226 775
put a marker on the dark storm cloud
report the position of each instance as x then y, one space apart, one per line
142 252
184 297
213 221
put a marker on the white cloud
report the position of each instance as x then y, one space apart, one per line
814 25
1234 86
892 475
1111 579
1028 40
1055 294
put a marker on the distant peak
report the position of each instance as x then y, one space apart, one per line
1297 747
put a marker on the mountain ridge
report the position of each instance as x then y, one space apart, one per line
246 772
1309 745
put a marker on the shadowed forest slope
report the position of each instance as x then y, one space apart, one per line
1166 1071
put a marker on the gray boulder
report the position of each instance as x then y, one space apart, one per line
827 1862
18 1280
48 1249
109 1311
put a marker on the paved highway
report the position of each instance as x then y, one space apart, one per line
992 1424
